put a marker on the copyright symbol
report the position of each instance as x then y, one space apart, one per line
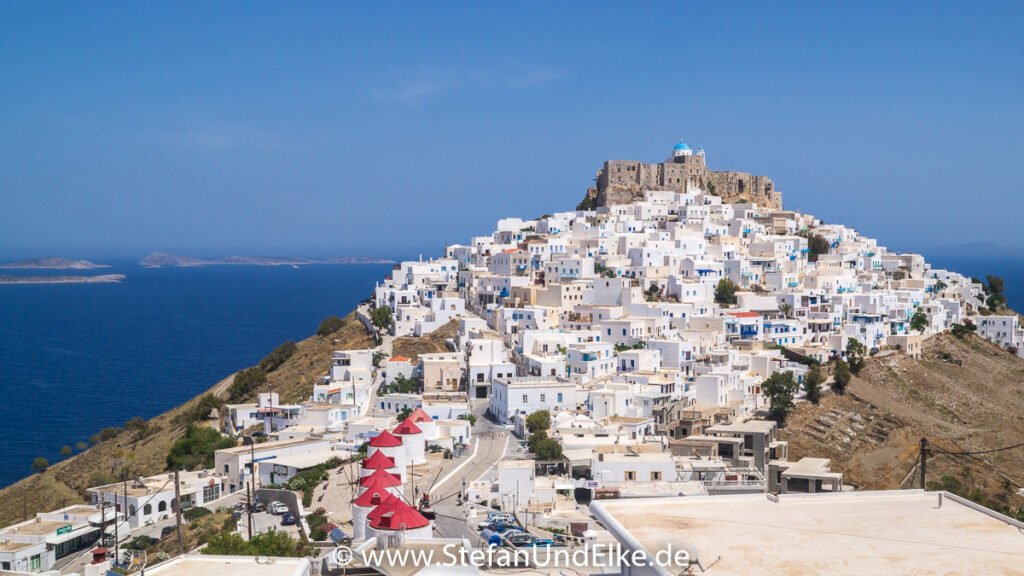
342 555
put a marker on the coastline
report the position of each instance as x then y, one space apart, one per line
63 279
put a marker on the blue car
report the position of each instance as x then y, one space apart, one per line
288 519
503 527
541 543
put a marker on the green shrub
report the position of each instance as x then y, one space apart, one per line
109 433
247 382
278 356
195 513
276 543
329 326
196 448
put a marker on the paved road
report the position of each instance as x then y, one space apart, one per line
495 442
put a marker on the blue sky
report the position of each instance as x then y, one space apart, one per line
390 128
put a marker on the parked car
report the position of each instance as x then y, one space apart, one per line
277 508
288 519
166 530
521 539
259 507
504 527
541 543
495 517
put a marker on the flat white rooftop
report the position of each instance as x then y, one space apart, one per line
893 532
231 566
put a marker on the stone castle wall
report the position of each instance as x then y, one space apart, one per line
624 181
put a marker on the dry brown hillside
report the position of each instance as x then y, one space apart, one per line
964 395
429 344
145 453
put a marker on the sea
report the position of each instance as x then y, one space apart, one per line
76 358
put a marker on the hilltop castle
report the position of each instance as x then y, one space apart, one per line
622 181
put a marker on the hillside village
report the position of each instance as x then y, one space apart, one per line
605 372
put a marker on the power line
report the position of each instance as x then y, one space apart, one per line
940 451
890 470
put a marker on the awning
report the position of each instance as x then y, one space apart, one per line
72 534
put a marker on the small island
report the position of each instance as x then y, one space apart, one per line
163 259
53 263
63 279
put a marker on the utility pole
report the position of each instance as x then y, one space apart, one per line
124 507
924 463
177 510
248 505
103 519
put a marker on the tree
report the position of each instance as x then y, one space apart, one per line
246 383
400 385
539 420
725 291
405 413
278 356
855 353
961 330
995 302
786 310
329 325
940 286
65 451
547 450
995 284
535 438
196 448
602 270
382 318
919 321
40 464
812 384
81 446
840 376
471 418
378 357
816 245
780 388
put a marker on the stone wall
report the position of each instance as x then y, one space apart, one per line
624 181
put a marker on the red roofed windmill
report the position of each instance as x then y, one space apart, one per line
413 442
390 446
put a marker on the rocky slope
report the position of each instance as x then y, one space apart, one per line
964 395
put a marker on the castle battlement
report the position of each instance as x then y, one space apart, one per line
623 181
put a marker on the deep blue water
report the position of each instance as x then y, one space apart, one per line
1009 268
77 358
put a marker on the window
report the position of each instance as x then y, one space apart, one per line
34 563
559 397
147 510
542 397
162 506
655 475
524 399
630 475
